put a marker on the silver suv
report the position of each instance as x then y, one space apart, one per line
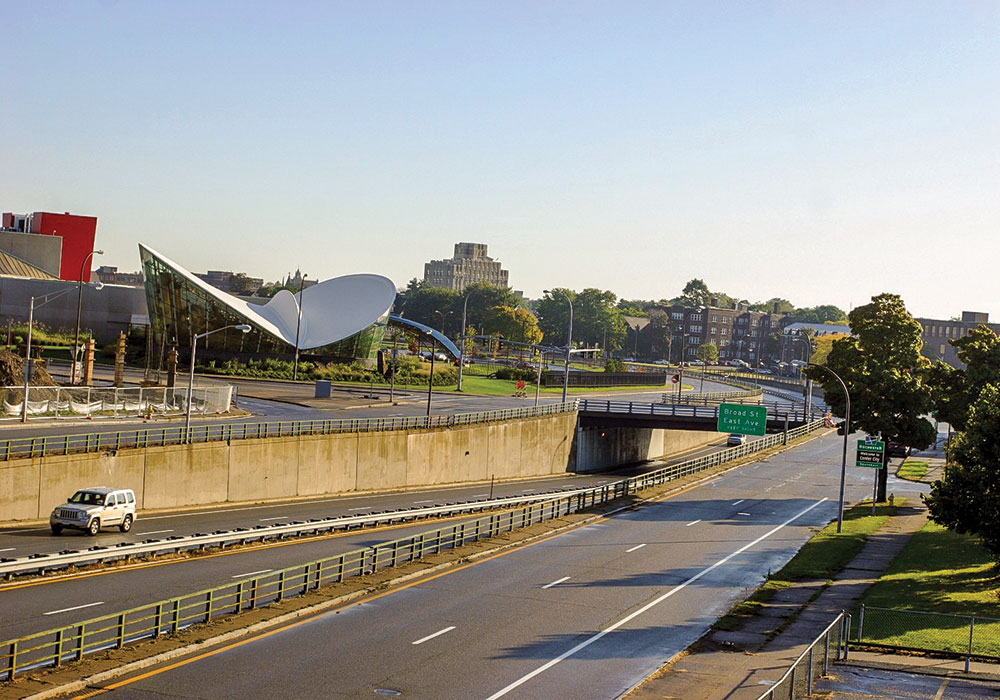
93 508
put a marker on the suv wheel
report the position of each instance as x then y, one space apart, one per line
94 527
56 529
126 524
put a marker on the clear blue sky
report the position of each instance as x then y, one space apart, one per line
819 151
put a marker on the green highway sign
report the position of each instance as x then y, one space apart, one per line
737 418
870 454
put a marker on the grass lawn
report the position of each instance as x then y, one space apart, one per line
912 470
821 557
938 571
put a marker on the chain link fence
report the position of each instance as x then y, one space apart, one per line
967 636
74 402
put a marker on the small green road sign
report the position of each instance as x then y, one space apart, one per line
738 418
870 454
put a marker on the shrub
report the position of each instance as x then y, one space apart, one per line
516 374
614 365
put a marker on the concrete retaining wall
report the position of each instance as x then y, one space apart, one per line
309 465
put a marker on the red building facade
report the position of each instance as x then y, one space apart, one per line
77 233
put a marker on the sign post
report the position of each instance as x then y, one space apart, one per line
742 418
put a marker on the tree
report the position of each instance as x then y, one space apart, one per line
594 315
769 305
657 335
695 293
708 353
240 283
424 301
955 390
826 313
518 324
967 500
882 367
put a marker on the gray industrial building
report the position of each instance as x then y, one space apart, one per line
937 333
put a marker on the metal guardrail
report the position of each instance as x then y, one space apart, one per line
743 396
798 679
72 642
50 445
959 636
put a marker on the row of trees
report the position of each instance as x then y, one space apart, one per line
599 317
697 293
893 390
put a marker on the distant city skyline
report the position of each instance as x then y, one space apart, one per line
823 153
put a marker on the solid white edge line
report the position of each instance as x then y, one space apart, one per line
693 522
653 603
557 581
154 532
638 546
432 636
75 607
9 549
736 503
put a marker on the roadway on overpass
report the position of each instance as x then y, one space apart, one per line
586 614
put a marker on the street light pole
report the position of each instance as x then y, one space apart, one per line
298 327
461 339
79 309
45 299
847 430
569 341
194 350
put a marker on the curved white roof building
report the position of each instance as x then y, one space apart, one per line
337 318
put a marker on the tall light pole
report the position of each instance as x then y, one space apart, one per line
194 349
847 429
298 327
569 340
461 339
79 309
45 299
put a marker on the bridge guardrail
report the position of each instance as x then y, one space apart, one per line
744 396
72 642
795 414
45 446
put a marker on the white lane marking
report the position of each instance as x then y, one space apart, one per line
427 501
527 490
277 517
154 532
693 522
432 636
9 549
556 582
252 573
479 495
742 514
75 607
649 606
362 508
736 503
638 546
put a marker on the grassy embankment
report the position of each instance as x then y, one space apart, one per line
938 571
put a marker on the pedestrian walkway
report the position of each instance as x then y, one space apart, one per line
741 664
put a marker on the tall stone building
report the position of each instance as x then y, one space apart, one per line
469 265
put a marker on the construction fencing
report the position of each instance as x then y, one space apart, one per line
74 402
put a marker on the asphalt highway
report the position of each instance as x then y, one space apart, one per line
586 614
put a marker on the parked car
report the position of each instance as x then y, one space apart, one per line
894 449
90 509
736 439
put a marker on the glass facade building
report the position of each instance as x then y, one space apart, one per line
181 306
